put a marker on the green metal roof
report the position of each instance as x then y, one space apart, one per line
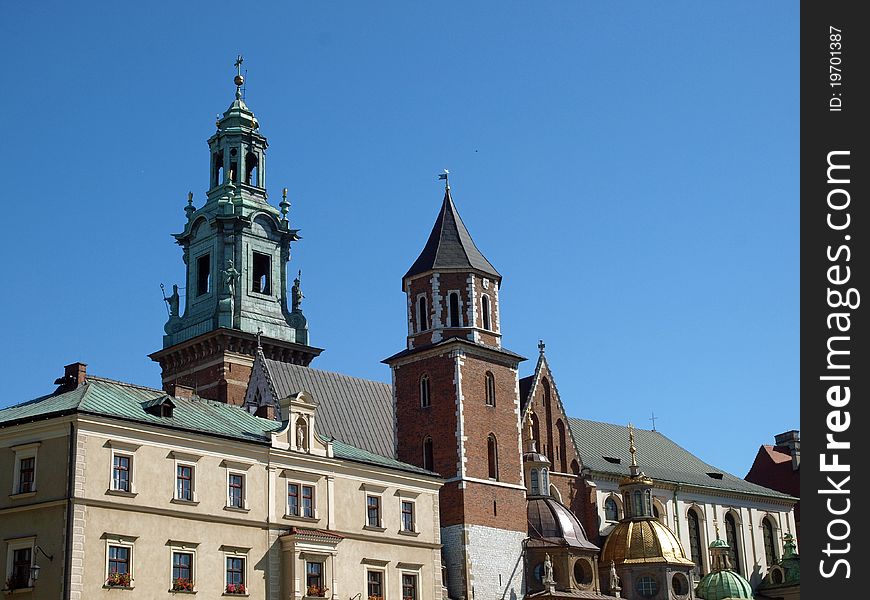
603 448
723 585
127 401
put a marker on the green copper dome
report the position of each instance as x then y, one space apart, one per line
718 543
723 585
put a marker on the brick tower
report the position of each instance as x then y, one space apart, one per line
236 249
456 395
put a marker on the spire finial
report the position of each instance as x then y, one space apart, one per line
190 208
541 346
716 525
653 419
259 338
239 79
631 447
445 176
284 205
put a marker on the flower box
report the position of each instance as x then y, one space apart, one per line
118 580
316 591
236 588
182 584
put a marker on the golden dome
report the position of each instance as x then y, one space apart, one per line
639 541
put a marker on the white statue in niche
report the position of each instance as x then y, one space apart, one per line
300 434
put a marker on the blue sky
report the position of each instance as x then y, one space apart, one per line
630 168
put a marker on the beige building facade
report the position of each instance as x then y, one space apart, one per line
196 496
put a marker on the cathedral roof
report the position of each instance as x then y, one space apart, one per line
723 585
356 411
128 402
450 246
602 448
643 541
550 522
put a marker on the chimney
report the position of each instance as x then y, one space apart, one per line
792 441
180 391
74 375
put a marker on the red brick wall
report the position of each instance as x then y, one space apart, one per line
225 381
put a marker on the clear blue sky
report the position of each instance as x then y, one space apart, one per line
631 169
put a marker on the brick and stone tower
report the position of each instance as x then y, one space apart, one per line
456 396
236 248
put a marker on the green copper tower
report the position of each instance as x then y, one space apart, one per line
236 251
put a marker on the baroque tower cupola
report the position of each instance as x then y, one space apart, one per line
236 248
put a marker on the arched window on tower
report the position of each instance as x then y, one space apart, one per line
695 540
731 538
454 310
490 388
234 165
217 167
563 454
428 456
422 314
425 399
767 531
492 456
536 482
252 169
487 319
611 510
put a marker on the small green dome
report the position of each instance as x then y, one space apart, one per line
723 585
717 543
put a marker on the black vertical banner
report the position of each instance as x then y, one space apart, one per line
835 227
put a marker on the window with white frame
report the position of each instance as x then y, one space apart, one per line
183 570
236 490
24 476
122 472
422 313
236 574
408 516
314 586
119 562
487 318
300 500
409 586
185 481
425 399
375 584
373 510
454 310
19 561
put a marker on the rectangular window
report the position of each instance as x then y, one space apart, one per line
373 506
237 490
182 571
121 472
236 574
262 273
21 563
409 586
308 501
293 499
407 515
203 274
375 585
26 475
184 482
119 566
314 580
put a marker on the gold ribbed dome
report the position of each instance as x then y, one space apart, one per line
640 541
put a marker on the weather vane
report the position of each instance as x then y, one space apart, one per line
444 176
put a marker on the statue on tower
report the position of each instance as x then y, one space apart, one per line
230 277
296 293
173 301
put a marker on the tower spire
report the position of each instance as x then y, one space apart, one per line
239 78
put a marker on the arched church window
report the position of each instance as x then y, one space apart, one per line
695 539
422 314
454 310
234 165
545 479
217 169
731 538
637 503
611 510
252 175
563 453
536 482
767 532
490 388
428 457
487 324
425 400
492 456
647 498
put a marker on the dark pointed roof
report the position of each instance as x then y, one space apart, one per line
450 246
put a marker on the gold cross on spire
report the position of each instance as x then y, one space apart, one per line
239 78
631 447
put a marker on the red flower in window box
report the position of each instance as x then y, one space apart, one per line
118 580
316 591
182 584
236 588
